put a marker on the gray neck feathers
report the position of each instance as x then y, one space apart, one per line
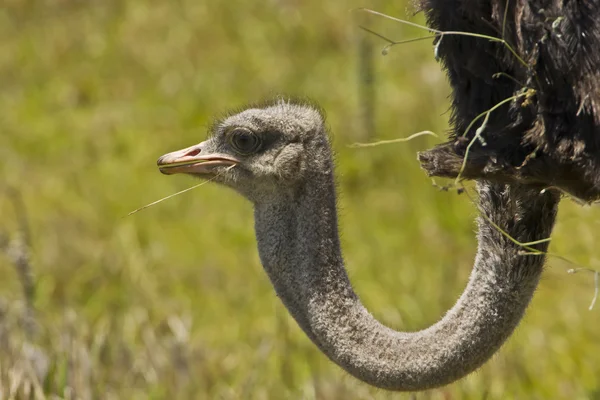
300 250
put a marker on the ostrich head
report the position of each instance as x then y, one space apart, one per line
259 152
279 157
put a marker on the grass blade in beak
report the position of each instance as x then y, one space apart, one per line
175 194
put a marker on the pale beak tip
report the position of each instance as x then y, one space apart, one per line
160 160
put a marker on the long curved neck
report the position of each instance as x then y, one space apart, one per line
300 250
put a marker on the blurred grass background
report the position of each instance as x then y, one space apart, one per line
172 302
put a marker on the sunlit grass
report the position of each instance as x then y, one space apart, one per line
172 302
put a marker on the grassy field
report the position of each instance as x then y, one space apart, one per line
172 302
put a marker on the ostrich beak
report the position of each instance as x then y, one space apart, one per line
193 160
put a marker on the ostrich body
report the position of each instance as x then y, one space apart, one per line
278 156
548 135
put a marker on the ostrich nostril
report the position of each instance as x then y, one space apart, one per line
193 152
179 155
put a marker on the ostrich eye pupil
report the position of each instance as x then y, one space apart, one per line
244 141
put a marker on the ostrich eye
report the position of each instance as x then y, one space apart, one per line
244 141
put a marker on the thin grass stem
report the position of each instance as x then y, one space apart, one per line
176 194
455 33
400 140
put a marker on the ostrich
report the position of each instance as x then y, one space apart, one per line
549 134
278 156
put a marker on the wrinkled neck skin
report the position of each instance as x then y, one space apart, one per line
300 250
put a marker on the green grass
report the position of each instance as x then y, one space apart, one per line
172 302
